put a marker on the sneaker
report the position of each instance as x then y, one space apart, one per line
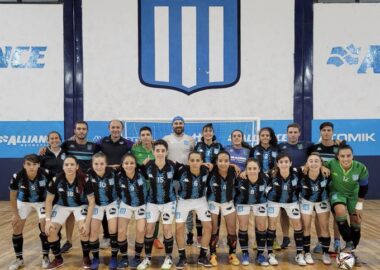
55 264
45 262
134 263
285 243
123 263
145 264
245 258
317 248
214 260
254 245
308 258
105 243
348 248
272 259
66 247
86 263
326 258
336 245
157 244
181 263
112 265
189 239
18 263
95 264
204 261
167 265
300 259
276 245
234 260
261 260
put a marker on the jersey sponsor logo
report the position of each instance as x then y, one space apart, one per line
189 45
83 212
323 205
262 209
112 211
141 211
295 211
166 216
365 60
208 213
22 56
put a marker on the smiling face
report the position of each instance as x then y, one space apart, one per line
207 133
237 138
54 140
115 128
284 164
264 137
223 162
99 165
345 157
252 169
129 165
80 131
314 162
178 127
195 161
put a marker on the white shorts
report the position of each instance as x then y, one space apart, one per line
292 209
225 208
126 211
198 205
259 210
307 207
166 210
61 213
24 209
110 211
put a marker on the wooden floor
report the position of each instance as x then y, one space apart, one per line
368 249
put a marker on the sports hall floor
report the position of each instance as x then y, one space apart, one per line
369 248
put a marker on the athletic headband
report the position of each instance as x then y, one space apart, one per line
178 118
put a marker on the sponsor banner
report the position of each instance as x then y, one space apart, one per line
20 138
361 134
278 126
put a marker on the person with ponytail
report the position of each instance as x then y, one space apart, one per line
69 192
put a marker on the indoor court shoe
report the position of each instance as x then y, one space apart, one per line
261 260
181 264
86 263
134 263
56 263
105 243
95 264
214 260
66 247
326 258
348 248
285 243
204 261
45 262
245 258
157 244
233 259
18 263
272 259
317 248
112 265
276 245
145 264
309 258
168 263
300 259
123 263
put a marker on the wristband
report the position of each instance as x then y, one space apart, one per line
359 206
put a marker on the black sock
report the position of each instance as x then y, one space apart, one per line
45 244
355 234
203 252
306 243
114 245
243 241
231 241
85 248
148 246
344 228
219 221
271 235
198 225
94 246
18 241
213 242
123 247
261 238
298 238
56 249
138 249
182 253
168 243
325 242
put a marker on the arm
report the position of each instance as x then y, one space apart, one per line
48 208
13 201
90 210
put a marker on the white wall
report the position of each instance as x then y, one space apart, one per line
32 93
265 88
341 92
